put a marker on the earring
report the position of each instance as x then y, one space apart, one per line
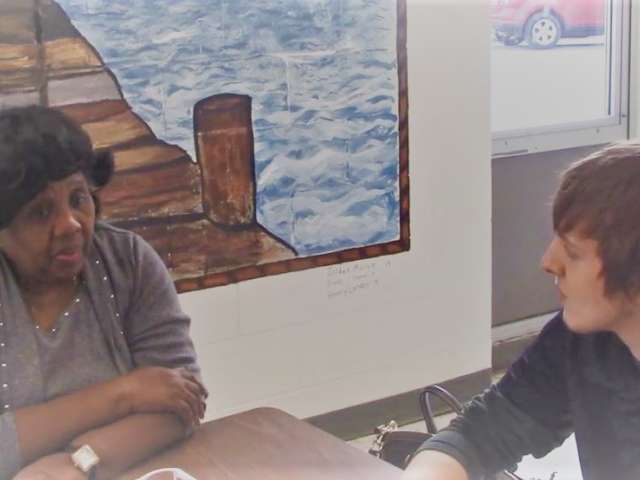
555 280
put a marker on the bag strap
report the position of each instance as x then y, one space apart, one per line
454 404
425 404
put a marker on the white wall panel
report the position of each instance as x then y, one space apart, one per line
290 341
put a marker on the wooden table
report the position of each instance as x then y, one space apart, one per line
267 444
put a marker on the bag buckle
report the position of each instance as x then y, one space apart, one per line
381 431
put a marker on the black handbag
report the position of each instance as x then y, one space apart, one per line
398 447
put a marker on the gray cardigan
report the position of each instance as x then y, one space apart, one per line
128 315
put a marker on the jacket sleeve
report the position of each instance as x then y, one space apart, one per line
527 412
10 453
156 328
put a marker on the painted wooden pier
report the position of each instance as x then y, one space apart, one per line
199 216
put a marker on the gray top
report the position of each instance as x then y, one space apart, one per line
126 314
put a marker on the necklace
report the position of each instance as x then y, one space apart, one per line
46 310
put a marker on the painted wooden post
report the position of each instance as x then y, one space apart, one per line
224 146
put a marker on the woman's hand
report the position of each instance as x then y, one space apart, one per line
162 390
57 466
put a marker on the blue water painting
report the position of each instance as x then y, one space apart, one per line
323 76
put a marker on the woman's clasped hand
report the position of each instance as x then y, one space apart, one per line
166 390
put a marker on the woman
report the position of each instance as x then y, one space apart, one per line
94 348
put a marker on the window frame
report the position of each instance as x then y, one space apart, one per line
584 133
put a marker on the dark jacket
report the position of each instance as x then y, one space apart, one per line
564 383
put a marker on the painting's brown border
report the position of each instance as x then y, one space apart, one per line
397 246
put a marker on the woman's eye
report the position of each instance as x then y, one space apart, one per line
78 199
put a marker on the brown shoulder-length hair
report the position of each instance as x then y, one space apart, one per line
599 197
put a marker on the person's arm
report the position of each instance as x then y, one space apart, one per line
156 327
119 446
126 442
57 466
48 427
157 332
527 412
434 465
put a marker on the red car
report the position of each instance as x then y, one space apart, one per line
543 22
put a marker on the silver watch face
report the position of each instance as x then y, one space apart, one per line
85 458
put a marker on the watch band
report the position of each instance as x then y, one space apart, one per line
91 475
85 459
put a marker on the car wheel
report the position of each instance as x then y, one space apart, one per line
543 30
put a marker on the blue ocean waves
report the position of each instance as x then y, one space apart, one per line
322 75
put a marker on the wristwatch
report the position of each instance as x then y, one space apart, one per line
86 459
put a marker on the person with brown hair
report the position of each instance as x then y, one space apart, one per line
97 370
582 374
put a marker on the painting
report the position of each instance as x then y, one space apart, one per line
250 137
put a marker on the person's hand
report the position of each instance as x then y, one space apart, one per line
433 465
57 466
166 390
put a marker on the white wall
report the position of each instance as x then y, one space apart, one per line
281 341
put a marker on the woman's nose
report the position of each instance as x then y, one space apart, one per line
66 222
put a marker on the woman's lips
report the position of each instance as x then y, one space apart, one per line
69 256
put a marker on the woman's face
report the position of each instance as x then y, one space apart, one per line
575 261
48 239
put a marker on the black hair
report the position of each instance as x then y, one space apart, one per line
39 145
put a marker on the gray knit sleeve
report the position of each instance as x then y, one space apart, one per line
9 452
157 330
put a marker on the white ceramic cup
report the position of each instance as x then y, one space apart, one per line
167 474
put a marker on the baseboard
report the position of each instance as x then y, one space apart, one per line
360 420
511 339
504 353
